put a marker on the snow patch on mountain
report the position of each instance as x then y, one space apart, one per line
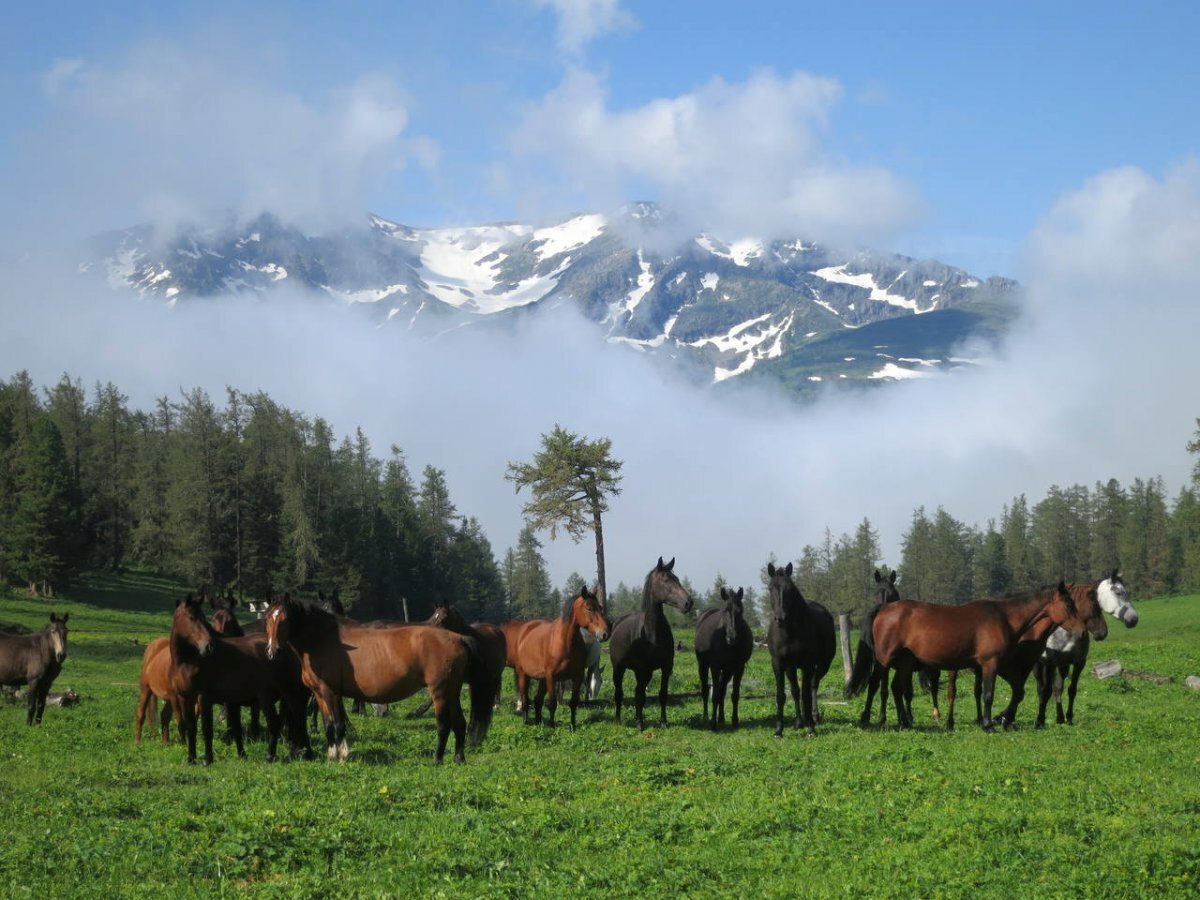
570 235
839 275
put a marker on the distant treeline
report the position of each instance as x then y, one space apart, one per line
249 496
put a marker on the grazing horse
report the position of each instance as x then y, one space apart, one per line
492 648
35 660
553 650
154 684
1064 654
867 670
724 644
642 641
342 658
975 635
207 669
801 636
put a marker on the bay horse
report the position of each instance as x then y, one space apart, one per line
643 641
493 649
553 650
154 684
724 644
1064 654
800 637
978 635
207 669
34 660
342 658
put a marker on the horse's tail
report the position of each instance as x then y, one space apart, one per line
483 683
864 658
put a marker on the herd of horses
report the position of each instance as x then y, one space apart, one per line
301 654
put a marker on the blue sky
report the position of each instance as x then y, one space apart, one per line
980 118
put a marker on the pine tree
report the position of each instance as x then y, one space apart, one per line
40 529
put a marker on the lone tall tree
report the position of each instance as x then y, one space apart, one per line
570 481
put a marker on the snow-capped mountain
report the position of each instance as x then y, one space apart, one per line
788 310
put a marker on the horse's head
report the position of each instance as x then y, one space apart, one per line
188 625
228 603
226 623
1113 597
785 596
662 586
1062 611
586 612
57 630
332 603
885 590
731 612
279 618
447 616
1090 612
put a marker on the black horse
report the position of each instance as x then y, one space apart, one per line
35 660
800 637
724 643
642 641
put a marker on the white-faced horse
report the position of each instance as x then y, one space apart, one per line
1065 654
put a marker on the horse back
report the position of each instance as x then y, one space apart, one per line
384 665
24 658
631 648
540 652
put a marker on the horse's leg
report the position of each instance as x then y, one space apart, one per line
618 688
872 685
274 725
1040 672
881 678
978 698
641 682
901 673
987 674
808 694
704 693
794 681
664 687
187 723
538 700
935 677
720 685
780 696
458 724
1058 679
31 701
737 692
233 718
1076 668
1008 718
165 722
522 695
951 689
553 690
206 723
574 701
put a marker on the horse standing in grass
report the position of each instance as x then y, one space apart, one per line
800 637
207 669
341 658
978 635
34 660
553 650
493 648
724 644
1064 654
643 641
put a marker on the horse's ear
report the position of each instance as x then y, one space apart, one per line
724 594
64 618
770 570
878 577
321 596
740 594
53 618
1116 574
892 577
788 569
660 563
671 564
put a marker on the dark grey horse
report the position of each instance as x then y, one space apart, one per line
800 638
35 660
642 641
724 643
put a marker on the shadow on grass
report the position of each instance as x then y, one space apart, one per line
131 591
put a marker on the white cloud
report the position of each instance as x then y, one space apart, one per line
738 159
171 131
581 21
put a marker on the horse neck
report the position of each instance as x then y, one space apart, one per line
1024 613
183 651
654 620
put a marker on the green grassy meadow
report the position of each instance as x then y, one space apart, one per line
1108 807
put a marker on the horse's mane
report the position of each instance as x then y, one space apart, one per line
568 610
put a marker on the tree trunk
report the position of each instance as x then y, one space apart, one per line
844 641
599 531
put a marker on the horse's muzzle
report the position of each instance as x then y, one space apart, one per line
1129 616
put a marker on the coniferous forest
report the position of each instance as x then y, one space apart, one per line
252 497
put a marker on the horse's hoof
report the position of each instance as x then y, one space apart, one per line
191 761
459 758
270 757
208 760
778 732
1040 726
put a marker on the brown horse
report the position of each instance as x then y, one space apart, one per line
1024 657
154 684
553 650
977 635
207 669
35 660
512 630
341 658
493 647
